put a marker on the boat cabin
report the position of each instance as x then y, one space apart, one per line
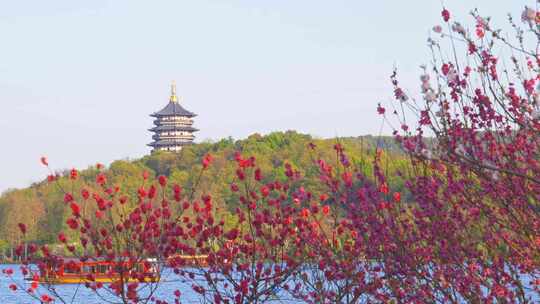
73 271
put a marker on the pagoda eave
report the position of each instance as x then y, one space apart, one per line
173 128
156 115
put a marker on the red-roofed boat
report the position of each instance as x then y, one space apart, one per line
74 271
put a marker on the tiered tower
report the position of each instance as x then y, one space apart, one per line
173 128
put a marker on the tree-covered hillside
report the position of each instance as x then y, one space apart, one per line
41 206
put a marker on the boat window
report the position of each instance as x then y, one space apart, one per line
103 268
120 268
89 269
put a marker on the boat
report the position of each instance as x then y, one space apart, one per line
75 271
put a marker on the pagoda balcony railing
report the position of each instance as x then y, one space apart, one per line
172 123
174 137
173 133
175 120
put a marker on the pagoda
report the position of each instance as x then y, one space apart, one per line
173 126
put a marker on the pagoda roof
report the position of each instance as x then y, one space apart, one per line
167 142
173 108
173 128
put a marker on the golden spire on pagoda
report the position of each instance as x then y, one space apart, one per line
173 92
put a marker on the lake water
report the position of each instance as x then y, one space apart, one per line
84 295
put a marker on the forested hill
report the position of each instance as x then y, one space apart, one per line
41 205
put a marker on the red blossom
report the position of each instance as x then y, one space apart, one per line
152 192
101 179
305 213
73 174
326 209
72 223
467 71
384 188
380 109
75 209
85 194
265 191
445 69
142 192
472 48
384 205
240 174
44 161
177 192
397 197
258 174
446 15
162 180
22 227
347 178
480 32
207 160
68 198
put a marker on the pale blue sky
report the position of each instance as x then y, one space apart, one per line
78 79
